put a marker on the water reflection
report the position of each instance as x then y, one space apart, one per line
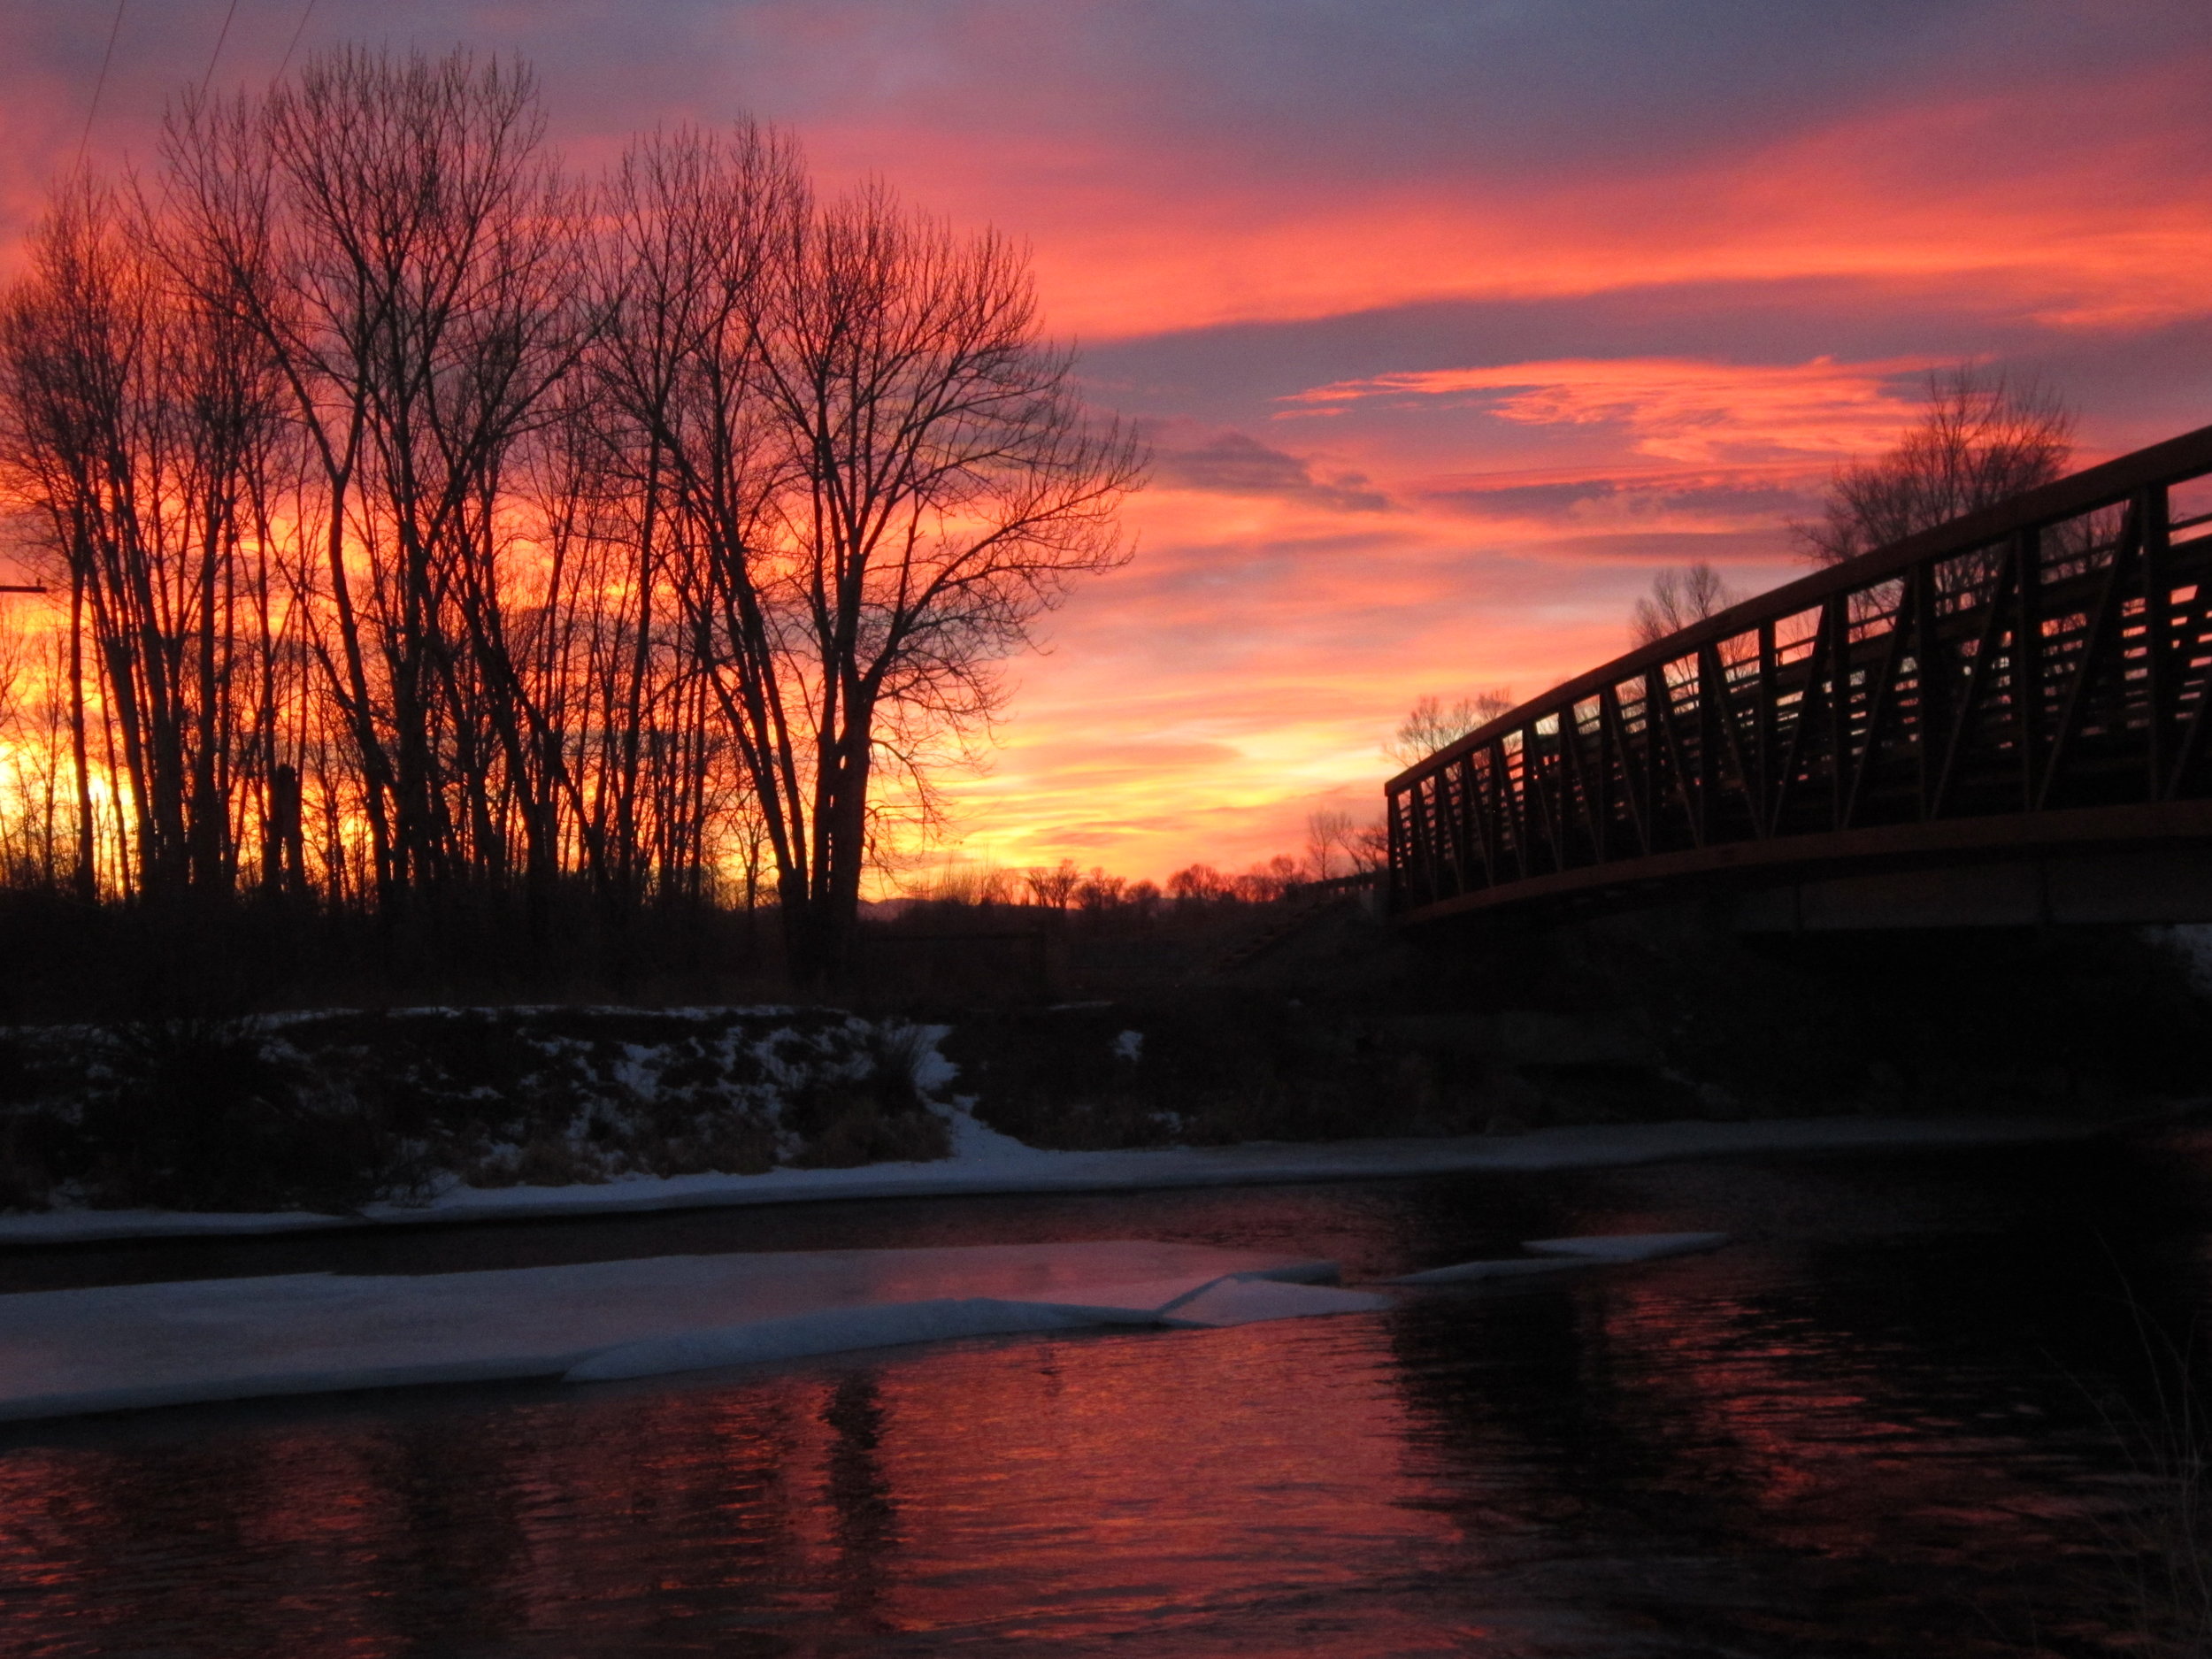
1872 1428
864 1521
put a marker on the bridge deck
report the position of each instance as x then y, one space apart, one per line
2033 678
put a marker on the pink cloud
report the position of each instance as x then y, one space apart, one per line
1673 409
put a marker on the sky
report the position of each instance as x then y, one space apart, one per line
1451 322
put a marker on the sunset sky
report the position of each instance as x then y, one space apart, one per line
1451 322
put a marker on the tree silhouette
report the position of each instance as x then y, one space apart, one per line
1053 886
509 530
1432 723
1677 599
1984 436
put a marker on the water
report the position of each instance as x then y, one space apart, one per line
1883 1422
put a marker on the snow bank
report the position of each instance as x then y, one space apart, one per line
69 1352
984 1161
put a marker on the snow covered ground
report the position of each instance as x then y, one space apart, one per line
984 1161
68 1352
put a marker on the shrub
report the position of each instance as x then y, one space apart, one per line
881 1115
205 1115
36 1151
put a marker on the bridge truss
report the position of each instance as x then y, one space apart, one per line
2036 675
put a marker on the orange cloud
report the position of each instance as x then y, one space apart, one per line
1672 408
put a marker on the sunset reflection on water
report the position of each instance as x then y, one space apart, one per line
1853 1432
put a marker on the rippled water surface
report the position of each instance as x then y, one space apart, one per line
1882 1423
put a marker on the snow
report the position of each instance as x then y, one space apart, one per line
69 1352
1626 1247
984 1161
933 1074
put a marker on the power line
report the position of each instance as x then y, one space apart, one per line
215 56
306 13
100 85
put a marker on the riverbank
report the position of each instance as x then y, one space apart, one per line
982 1161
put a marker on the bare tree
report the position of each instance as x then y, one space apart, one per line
1339 844
694 222
390 229
1329 831
1200 884
1433 723
134 429
1099 892
1677 599
1984 436
1052 886
70 370
944 488
468 532
1265 883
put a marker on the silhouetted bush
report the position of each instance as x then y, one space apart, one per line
882 1115
203 1114
329 1110
1212 1070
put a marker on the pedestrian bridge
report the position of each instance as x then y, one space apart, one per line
2001 720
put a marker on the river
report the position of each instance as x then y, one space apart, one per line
1905 1413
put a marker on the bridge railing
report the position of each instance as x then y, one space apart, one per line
2053 651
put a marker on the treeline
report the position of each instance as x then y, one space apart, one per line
419 519
1068 887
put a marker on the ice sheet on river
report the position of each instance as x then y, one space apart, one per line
66 1352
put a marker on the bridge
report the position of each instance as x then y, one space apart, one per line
2003 719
